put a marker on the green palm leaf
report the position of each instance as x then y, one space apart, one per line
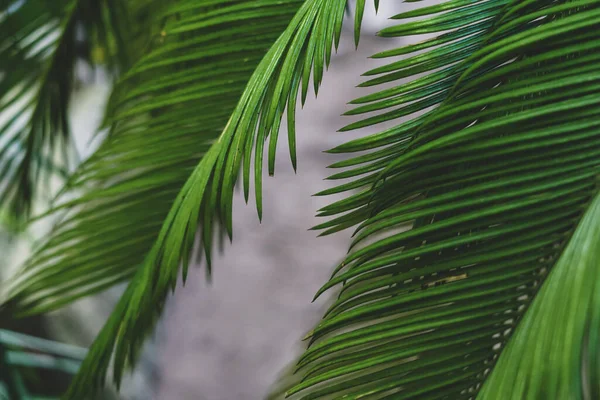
467 207
187 69
463 208
40 44
553 353
285 67
130 183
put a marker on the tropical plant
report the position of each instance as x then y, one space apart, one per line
473 270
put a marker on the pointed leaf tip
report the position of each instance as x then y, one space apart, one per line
308 335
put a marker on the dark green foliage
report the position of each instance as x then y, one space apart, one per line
493 182
554 352
40 43
462 209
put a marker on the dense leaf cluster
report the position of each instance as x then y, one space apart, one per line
473 268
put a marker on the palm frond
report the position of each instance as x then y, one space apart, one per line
490 176
40 43
39 290
154 146
466 207
553 353
166 113
304 46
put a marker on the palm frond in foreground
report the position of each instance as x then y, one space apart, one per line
205 199
493 182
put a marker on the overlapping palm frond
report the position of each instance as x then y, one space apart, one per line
166 114
22 354
553 353
302 47
40 44
462 211
465 210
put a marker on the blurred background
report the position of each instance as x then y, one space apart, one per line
230 339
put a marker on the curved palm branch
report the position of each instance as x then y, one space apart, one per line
463 209
188 69
40 44
553 353
158 136
467 209
283 69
